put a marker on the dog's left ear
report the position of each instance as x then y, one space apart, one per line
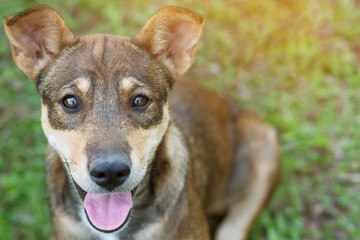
170 36
37 36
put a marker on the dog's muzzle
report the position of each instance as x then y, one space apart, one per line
110 211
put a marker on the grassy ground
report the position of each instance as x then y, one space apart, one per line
295 63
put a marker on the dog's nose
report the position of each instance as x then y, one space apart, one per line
109 174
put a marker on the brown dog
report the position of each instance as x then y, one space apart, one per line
134 153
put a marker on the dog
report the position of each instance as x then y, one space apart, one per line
135 152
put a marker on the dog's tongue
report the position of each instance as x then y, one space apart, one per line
109 211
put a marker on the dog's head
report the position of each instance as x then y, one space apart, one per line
104 98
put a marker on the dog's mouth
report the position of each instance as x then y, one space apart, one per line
107 212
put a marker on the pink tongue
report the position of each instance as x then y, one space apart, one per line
108 211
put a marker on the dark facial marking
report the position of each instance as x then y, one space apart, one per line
102 147
105 49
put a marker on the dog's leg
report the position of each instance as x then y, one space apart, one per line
255 174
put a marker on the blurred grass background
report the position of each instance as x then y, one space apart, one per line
295 63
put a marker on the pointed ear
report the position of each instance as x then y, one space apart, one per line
170 36
36 36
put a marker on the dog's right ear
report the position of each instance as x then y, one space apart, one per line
171 36
37 36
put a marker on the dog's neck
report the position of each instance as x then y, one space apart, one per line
170 162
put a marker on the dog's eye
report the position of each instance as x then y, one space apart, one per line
70 102
140 101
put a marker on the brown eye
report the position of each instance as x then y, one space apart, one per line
70 102
140 101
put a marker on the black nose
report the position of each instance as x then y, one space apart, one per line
109 174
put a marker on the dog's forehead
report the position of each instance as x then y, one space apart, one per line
108 56
105 59
110 51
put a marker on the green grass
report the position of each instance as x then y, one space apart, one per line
295 63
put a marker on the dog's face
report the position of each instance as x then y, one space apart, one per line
104 99
105 115
100 108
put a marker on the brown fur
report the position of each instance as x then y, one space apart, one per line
194 158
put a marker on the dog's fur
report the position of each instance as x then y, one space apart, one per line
199 167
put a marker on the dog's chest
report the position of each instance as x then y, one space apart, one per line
151 231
